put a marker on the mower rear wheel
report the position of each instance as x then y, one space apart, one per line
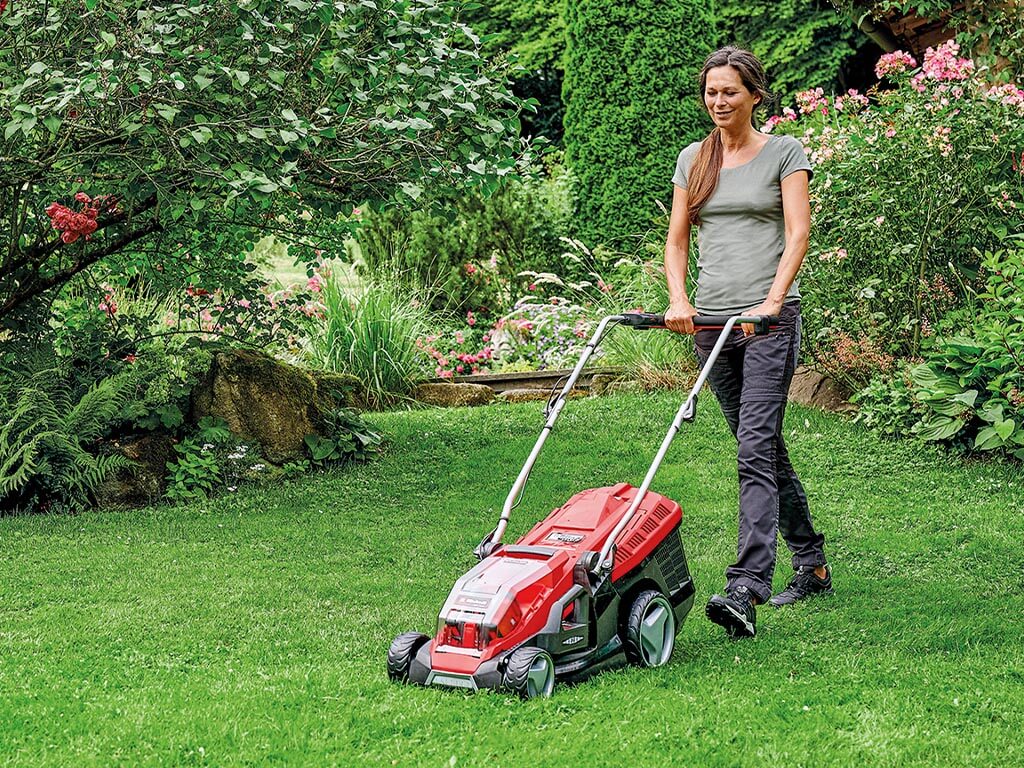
401 653
529 673
650 630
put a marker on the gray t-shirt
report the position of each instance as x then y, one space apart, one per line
743 232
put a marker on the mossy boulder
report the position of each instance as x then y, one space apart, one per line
268 401
447 395
146 479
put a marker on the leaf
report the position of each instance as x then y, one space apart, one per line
108 38
968 398
1005 428
987 439
940 428
202 81
167 112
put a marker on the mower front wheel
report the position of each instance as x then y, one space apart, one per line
650 630
530 673
401 653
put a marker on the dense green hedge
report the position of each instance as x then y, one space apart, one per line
631 95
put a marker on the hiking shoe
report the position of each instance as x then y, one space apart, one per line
735 612
804 583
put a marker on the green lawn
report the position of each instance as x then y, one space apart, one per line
252 630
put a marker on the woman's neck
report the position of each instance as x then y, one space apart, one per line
736 141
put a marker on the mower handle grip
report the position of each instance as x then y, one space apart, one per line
643 321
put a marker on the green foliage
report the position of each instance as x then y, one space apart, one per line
907 191
972 383
530 33
208 124
472 257
195 473
48 439
371 335
347 437
992 31
210 460
632 103
802 43
887 405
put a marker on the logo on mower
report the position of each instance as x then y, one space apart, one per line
573 640
566 538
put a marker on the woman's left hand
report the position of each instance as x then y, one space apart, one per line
766 308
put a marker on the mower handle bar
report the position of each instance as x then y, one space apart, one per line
643 321
686 412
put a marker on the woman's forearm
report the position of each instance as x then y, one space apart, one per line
677 260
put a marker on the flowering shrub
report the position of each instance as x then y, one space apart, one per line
545 335
458 353
75 224
911 183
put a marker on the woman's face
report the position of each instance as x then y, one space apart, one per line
727 98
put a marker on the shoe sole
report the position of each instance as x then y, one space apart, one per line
736 626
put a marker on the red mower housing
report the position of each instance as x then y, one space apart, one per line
539 593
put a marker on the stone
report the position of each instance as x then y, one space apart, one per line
601 382
526 395
338 389
809 387
266 401
145 481
447 395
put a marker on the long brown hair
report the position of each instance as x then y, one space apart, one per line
703 177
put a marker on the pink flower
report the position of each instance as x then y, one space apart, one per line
315 284
943 63
890 132
244 303
108 305
894 63
470 319
531 287
469 269
809 101
879 220
459 338
129 359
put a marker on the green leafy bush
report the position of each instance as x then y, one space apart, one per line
908 189
802 43
212 459
347 437
130 126
472 258
971 384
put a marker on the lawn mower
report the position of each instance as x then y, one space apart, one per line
601 581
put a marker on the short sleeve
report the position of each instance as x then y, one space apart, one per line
793 159
683 163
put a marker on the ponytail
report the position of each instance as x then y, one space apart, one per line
704 173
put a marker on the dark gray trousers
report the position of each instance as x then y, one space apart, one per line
751 379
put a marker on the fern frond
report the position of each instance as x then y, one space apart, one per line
92 415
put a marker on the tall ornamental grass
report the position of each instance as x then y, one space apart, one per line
371 334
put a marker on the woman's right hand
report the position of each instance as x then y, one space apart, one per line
679 317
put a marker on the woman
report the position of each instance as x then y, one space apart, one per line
747 194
